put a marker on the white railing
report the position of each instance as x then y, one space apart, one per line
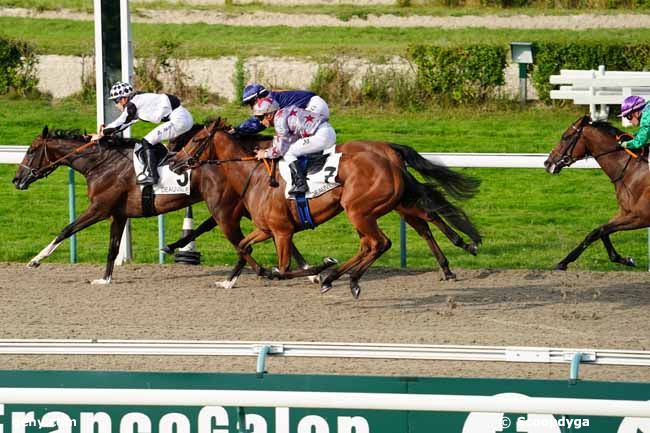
324 349
326 400
600 87
14 155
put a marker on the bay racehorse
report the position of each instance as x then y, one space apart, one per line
626 170
113 193
374 181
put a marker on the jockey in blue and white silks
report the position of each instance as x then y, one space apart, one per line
298 132
300 98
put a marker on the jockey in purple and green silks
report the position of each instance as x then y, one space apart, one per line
636 110
300 98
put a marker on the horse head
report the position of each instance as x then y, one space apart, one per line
197 148
582 139
571 148
44 155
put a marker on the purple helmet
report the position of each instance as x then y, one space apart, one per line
632 104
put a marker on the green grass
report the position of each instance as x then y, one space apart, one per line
342 11
529 219
66 37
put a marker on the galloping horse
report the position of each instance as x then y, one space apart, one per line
374 181
628 173
113 193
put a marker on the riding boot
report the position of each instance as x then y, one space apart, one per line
149 175
299 178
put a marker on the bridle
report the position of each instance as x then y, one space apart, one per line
50 165
568 159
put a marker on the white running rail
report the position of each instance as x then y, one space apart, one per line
322 349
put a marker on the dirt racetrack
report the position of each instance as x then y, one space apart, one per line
482 307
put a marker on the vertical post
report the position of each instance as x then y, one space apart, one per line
161 238
126 252
402 243
72 213
113 62
523 75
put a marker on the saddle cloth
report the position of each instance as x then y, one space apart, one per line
170 182
319 182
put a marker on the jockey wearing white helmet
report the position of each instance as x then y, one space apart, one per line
160 108
298 132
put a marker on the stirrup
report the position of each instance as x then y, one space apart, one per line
299 189
144 179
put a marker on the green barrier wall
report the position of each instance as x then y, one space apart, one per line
214 419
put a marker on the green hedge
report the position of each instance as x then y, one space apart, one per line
17 66
550 57
460 74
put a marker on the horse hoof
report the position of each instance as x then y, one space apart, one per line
560 267
314 279
629 261
275 273
330 261
325 288
167 250
33 264
472 248
447 276
101 281
356 291
226 284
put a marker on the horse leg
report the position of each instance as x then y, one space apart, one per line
117 227
618 223
372 243
376 250
89 217
422 228
614 256
244 248
204 227
436 220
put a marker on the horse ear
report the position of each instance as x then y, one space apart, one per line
44 133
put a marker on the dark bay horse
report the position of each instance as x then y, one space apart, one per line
113 193
374 181
628 173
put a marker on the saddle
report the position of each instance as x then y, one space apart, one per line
314 162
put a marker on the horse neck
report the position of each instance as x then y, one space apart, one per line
226 147
84 162
610 160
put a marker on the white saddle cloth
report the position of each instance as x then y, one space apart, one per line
170 182
319 183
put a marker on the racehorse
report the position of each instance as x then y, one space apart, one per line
113 193
373 181
626 170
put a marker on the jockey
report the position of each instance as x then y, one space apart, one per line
298 132
160 108
300 98
635 109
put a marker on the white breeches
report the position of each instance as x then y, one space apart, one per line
180 121
318 105
324 138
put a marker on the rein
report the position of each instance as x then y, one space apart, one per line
52 165
567 159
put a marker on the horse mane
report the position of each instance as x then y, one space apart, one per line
67 134
606 127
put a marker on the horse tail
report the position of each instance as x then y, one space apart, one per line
428 198
459 186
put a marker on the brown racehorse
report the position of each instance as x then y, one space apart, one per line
113 193
374 181
628 173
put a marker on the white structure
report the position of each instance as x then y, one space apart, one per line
599 88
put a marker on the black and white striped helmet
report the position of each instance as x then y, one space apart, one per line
119 90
